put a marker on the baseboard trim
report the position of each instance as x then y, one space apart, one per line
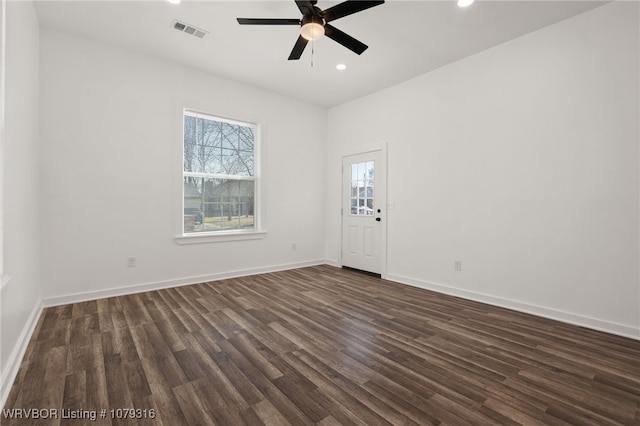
15 359
333 262
159 285
566 317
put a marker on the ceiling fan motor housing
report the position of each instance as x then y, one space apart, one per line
312 18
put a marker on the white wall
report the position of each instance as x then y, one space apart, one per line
21 293
111 159
523 162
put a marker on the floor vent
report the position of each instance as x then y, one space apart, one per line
189 29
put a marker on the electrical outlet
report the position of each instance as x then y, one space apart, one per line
294 246
457 265
131 262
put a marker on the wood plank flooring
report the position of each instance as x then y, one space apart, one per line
324 346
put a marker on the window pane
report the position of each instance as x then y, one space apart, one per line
218 204
218 147
190 152
361 175
370 206
369 176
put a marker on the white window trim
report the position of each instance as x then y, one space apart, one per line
259 232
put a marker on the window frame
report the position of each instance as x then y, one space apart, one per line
257 232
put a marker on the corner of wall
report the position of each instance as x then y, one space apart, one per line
20 298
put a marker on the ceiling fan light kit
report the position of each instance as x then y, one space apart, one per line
312 27
315 24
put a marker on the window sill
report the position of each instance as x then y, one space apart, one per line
219 237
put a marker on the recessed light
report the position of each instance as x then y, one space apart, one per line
341 67
465 3
174 1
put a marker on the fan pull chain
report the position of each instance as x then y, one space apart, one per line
312 52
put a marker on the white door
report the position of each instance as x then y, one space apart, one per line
363 208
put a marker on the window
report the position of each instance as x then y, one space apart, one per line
219 175
362 187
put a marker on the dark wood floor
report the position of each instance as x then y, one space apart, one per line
324 346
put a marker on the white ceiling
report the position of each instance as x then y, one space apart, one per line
405 38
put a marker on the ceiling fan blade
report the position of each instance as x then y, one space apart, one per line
344 39
347 8
305 6
267 21
298 48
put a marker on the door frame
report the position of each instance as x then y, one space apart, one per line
380 197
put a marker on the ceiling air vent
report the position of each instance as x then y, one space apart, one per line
189 29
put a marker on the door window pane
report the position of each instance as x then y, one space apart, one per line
362 189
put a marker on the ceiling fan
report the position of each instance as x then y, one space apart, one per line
315 23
